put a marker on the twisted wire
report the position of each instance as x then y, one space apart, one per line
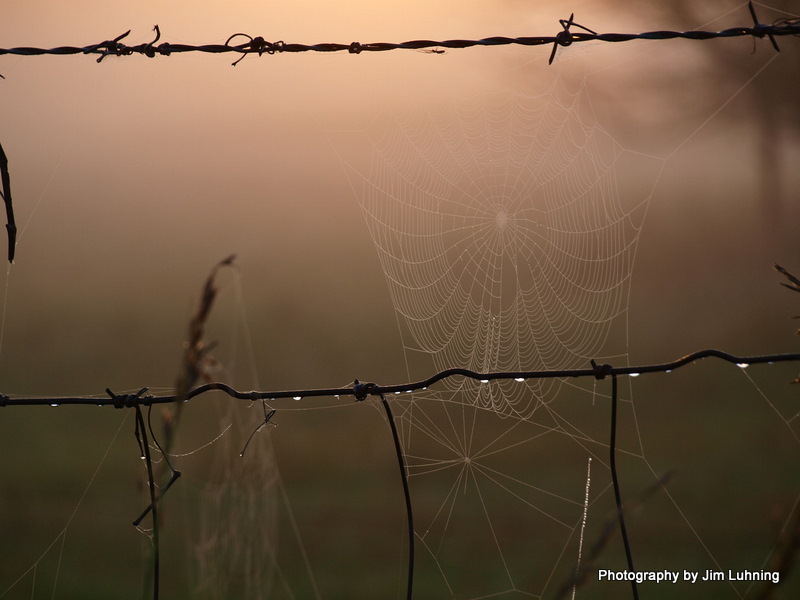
260 46
360 391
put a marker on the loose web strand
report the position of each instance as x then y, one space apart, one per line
459 439
388 237
583 525
62 534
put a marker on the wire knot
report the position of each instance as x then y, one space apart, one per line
362 390
255 44
111 47
354 48
564 38
3 400
759 30
260 45
126 400
600 371
148 50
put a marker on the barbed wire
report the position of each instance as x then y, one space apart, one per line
361 391
358 390
260 46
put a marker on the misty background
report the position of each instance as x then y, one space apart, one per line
133 177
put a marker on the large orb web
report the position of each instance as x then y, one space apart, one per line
504 234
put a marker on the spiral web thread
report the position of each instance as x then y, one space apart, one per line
504 237
507 241
507 227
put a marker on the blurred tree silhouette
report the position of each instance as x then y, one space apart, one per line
772 95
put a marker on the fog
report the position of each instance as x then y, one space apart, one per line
131 178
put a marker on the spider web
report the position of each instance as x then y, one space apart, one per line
504 234
506 226
507 240
245 542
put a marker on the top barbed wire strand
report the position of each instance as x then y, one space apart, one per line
258 45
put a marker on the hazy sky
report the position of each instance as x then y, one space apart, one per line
133 177
138 174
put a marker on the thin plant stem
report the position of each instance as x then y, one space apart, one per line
151 482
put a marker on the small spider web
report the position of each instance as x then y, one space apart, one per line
489 517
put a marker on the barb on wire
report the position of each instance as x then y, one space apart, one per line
564 38
760 30
258 45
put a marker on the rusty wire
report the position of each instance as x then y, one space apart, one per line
260 46
361 391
